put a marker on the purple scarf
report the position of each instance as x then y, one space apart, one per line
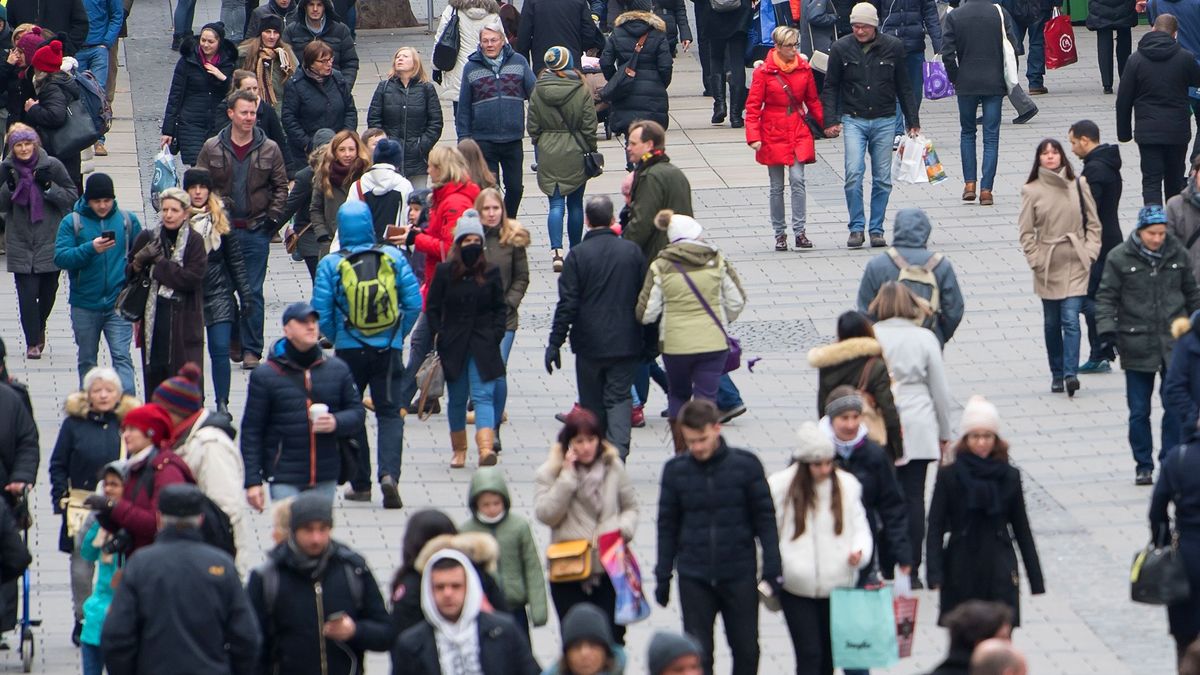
27 194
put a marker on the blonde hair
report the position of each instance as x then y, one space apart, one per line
281 520
785 34
894 299
452 164
361 162
419 73
509 228
216 213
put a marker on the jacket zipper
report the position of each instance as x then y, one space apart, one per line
320 625
712 532
312 436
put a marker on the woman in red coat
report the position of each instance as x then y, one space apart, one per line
453 194
782 93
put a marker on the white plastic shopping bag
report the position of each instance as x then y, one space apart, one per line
908 162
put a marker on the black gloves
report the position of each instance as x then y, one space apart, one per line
268 225
1107 346
662 592
148 254
437 76
412 236
553 359
99 503
41 177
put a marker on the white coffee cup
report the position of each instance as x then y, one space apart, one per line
316 410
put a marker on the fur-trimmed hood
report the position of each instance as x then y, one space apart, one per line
513 234
480 547
656 22
488 6
554 462
77 405
841 352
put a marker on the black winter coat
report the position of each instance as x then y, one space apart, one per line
468 320
268 9
180 608
710 513
1181 390
224 276
412 116
1102 169
19 454
268 120
674 15
334 33
1154 90
882 499
722 25
503 649
978 561
911 21
647 97
972 50
68 20
53 96
549 23
308 106
196 103
1103 14
868 84
299 200
275 436
597 298
842 363
291 627
1178 476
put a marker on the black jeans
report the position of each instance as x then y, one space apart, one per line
737 603
726 58
604 388
808 622
504 159
570 593
383 371
35 300
1163 169
912 483
1104 52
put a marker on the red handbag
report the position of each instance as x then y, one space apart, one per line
1060 41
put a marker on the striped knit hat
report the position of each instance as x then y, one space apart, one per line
558 58
180 395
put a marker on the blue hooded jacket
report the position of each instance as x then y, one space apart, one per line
96 278
356 231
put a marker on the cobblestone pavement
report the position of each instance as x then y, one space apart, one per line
1087 515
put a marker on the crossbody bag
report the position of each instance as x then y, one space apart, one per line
733 358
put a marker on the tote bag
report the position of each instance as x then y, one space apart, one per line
1060 41
937 81
1010 55
862 628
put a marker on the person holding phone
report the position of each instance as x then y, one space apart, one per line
385 191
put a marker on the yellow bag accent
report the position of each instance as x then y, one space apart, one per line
569 560
75 510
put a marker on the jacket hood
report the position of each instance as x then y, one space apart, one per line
381 179
1052 178
1107 154
911 229
355 227
465 626
554 462
225 48
1158 46
479 547
696 253
77 405
483 7
488 479
841 352
650 20
558 90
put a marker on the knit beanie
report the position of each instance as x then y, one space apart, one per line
864 13
152 420
841 400
216 27
559 58
311 507
421 197
666 648
270 22
48 58
980 415
812 445
321 137
98 186
677 226
196 176
388 151
586 621
1151 214
640 6
30 41
180 395
468 224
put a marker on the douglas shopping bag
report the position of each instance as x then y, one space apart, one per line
934 171
626 578
862 627
908 162
1060 41
905 606
937 82
165 174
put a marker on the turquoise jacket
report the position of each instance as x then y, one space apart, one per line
96 606
96 278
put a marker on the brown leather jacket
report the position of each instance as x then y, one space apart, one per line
262 191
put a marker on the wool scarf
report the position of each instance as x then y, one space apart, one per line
27 193
784 66
982 477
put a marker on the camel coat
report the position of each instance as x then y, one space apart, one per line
1058 244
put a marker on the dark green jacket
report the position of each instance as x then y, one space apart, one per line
1138 301
562 118
656 187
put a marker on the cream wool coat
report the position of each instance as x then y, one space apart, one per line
919 386
1059 246
216 464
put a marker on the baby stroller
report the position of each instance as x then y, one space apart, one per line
594 78
9 590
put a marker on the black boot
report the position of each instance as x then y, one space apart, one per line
737 104
717 87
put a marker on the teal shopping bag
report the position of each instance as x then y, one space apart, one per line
862 627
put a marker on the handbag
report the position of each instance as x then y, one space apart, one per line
876 429
619 84
1060 41
733 359
76 133
1158 575
432 381
445 50
862 628
936 81
131 301
593 162
814 129
74 512
291 240
819 60
1010 55
569 561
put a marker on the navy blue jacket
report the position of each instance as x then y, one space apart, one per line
911 20
491 106
1182 389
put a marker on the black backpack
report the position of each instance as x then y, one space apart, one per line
216 528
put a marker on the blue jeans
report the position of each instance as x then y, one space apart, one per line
967 107
256 247
501 395
88 324
863 136
1139 388
92 659
1061 323
728 396
219 335
1035 56
281 491
383 372
471 385
185 15
554 219
914 67
233 15
94 59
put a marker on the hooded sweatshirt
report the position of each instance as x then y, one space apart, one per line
1154 90
386 193
457 641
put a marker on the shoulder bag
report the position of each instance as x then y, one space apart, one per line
876 429
569 561
814 129
733 358
76 133
131 301
431 379
593 162
1011 76
619 84
445 50
1159 576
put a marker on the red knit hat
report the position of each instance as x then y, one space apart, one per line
151 420
48 58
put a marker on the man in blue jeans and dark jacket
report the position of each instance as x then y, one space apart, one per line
104 26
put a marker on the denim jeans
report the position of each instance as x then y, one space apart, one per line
94 59
281 491
863 136
505 159
967 107
470 384
1061 323
554 219
88 324
1035 56
91 659
728 396
501 395
914 67
185 15
1139 387
233 15
798 194
219 336
383 372
420 342
256 248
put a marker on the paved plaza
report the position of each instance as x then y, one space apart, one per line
1078 474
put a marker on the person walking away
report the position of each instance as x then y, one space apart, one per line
973 52
562 126
646 100
969 624
1181 389
544 24
725 32
1183 216
1147 285
46 109
936 286
824 540
272 60
1176 486
861 95
912 21
477 166
1153 91
1188 16
212 625
340 166
597 305
496 122
385 191
405 105
978 500
317 21
298 203
314 570
520 568
92 544
923 399
1060 235
35 192
473 15
104 18
95 265
1029 18
1109 18
67 19
587 645
317 97
783 94
679 32
1102 171
582 492
200 83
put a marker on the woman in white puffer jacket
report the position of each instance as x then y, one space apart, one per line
822 551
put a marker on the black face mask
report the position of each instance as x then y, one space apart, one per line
471 253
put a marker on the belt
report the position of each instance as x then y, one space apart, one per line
241 224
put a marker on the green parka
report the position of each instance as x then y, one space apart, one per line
1139 298
520 564
562 118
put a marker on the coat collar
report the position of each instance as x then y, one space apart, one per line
843 351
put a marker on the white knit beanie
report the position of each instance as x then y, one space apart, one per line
812 445
980 415
678 226
864 13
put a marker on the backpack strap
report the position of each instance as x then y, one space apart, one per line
897 259
703 302
933 262
1192 239
76 222
268 573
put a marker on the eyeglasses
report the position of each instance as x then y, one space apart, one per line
786 44
325 59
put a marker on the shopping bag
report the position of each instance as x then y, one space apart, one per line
626 578
908 162
862 628
934 172
165 174
937 81
905 607
1060 41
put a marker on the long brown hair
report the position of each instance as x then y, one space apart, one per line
999 450
477 166
802 494
459 269
1037 160
361 162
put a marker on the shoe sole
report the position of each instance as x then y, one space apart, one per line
358 497
391 496
732 414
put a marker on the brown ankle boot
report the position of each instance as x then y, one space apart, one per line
458 443
485 439
677 437
969 191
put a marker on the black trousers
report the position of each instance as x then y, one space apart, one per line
702 45
35 300
1104 52
568 594
912 483
504 159
737 603
808 622
1163 171
726 56
604 388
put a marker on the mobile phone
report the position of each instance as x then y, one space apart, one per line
108 234
336 616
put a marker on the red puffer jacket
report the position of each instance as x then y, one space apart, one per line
773 118
450 201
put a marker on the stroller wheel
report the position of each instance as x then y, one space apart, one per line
27 650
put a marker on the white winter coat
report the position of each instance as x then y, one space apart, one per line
919 386
817 561
473 15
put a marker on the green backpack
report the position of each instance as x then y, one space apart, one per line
369 279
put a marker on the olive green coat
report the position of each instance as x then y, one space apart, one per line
562 118
507 252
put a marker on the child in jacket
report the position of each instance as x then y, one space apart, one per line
520 566
91 547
